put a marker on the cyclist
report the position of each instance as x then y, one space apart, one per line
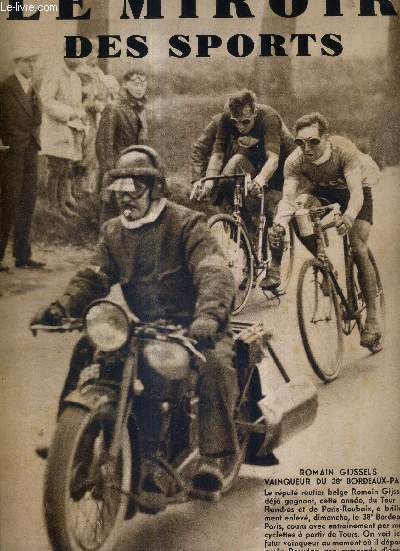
202 148
258 142
339 173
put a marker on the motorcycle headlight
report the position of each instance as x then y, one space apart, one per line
107 325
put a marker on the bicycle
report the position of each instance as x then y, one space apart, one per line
247 260
321 300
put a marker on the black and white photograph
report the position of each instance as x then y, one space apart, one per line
199 275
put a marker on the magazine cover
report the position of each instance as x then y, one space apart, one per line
199 275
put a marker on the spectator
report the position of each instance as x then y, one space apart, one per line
20 118
123 123
94 93
62 131
112 86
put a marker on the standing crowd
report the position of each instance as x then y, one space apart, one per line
79 119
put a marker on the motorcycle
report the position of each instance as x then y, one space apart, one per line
95 467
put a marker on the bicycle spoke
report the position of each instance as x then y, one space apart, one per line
319 321
234 244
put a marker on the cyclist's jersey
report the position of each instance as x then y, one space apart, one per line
342 159
269 133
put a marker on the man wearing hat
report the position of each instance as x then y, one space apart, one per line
169 267
20 118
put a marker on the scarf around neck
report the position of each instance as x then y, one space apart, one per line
152 214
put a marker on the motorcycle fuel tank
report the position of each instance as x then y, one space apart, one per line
169 359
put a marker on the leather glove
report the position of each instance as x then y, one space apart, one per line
276 235
205 331
343 223
51 315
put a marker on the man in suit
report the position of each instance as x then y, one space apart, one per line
20 119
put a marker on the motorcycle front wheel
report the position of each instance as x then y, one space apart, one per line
83 507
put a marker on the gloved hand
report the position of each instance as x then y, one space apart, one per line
255 187
276 235
343 223
51 315
205 331
203 189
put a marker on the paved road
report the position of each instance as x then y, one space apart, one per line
357 422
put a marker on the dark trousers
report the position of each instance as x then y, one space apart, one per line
59 171
18 189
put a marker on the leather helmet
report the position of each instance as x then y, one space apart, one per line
138 160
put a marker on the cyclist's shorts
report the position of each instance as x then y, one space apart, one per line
342 197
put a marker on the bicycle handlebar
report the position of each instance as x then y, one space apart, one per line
245 176
223 177
324 209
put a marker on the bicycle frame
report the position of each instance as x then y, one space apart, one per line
348 303
241 182
257 249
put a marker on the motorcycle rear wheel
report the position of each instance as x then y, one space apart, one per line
81 512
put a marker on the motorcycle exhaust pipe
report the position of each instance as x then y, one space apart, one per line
286 411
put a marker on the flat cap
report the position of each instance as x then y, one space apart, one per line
25 51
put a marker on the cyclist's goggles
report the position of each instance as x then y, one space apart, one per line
312 142
241 122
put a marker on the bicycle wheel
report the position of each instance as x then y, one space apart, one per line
359 300
234 242
319 320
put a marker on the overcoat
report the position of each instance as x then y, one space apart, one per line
61 95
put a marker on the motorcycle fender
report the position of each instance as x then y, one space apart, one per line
92 397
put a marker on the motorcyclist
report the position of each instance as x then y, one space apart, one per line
169 267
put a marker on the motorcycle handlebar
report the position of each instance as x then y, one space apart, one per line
154 331
67 326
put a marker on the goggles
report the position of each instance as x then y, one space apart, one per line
312 142
135 188
241 122
138 78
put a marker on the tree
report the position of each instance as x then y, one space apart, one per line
272 77
387 127
393 79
